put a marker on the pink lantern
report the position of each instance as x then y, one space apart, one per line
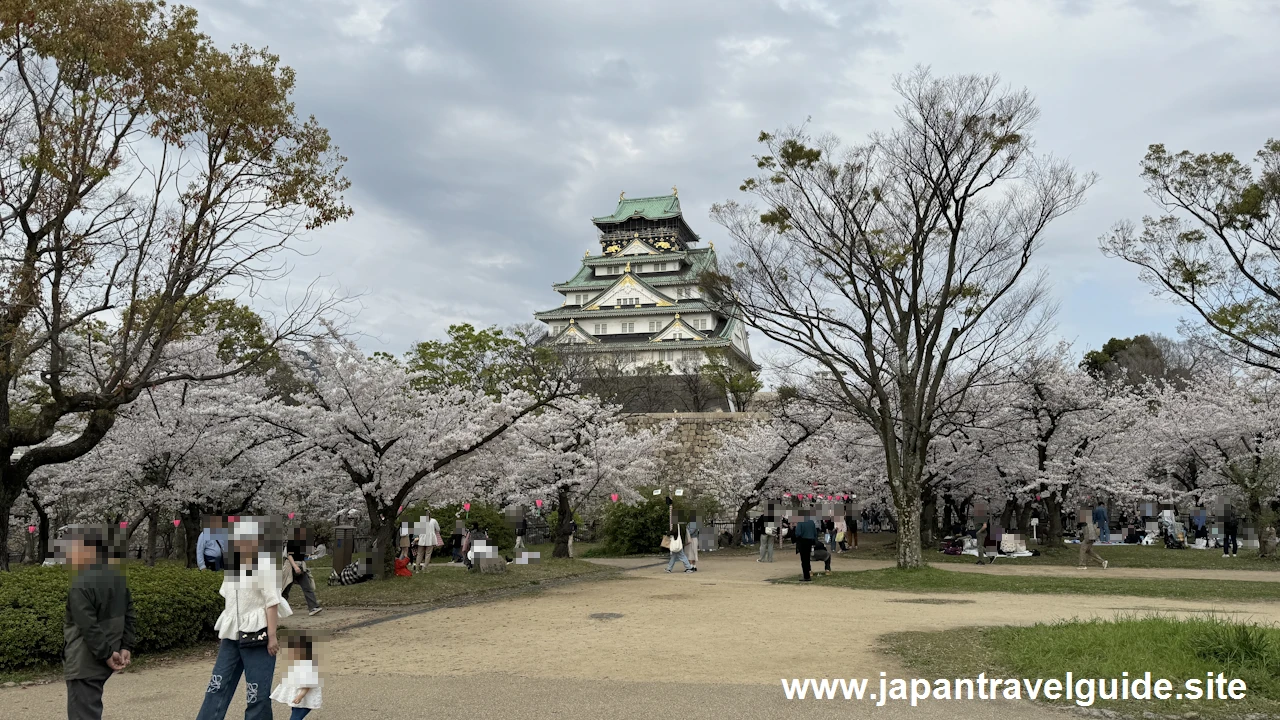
538 503
176 522
233 518
466 506
809 496
613 497
124 524
786 494
830 498
31 529
290 516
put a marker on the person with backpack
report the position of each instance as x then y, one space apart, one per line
100 624
806 536
212 545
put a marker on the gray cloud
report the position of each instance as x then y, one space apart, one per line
482 136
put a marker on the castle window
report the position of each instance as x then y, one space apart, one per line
702 324
628 327
601 329
653 326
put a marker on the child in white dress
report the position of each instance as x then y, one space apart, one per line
300 687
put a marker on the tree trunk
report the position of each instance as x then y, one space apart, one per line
928 518
1006 516
909 555
948 515
564 521
191 533
10 488
1024 521
151 539
42 546
1053 520
740 518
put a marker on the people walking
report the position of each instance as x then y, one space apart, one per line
522 528
692 530
1230 526
981 536
100 623
748 534
296 550
850 529
212 545
1088 536
1101 521
428 540
455 541
768 535
247 627
806 535
300 688
676 548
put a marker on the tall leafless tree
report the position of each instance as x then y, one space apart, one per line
899 268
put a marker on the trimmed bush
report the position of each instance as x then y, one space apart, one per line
635 529
175 606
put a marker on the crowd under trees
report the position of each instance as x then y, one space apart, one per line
150 183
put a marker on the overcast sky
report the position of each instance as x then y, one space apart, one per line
482 136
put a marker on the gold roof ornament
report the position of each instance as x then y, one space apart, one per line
674 191
712 244
677 316
586 253
622 196
573 321
628 268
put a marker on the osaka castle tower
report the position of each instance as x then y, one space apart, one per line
639 301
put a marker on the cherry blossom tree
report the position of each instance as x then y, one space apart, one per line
380 426
1219 437
579 452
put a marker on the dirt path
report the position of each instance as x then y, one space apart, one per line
708 645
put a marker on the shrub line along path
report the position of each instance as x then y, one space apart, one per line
712 644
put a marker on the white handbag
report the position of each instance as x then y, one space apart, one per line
676 544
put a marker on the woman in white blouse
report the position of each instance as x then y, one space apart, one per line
247 626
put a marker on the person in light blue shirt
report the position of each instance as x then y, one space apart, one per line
212 548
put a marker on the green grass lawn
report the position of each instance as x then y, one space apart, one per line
933 580
1168 648
439 584
881 547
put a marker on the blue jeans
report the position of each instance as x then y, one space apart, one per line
257 665
213 563
747 537
299 713
1104 531
678 556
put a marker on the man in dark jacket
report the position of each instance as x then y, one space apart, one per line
1230 526
99 625
806 536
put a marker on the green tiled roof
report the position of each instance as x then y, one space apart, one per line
595 260
659 207
575 311
700 260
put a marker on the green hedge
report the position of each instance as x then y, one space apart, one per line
635 529
175 607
